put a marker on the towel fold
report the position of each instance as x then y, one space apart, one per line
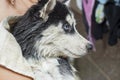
10 52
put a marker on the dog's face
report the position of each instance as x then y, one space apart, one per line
61 38
49 31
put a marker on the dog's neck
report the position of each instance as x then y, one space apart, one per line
40 62
52 68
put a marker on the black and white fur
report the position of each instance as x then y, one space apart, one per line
46 33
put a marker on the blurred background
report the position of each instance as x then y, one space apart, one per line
104 64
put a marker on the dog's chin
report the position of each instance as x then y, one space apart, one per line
72 54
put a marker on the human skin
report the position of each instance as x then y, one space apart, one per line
6 74
13 8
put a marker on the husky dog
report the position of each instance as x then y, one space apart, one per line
47 35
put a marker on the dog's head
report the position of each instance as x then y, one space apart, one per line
55 36
61 38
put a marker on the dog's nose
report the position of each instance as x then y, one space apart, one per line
89 46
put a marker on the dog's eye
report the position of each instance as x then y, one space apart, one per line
67 27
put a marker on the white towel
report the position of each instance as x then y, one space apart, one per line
10 51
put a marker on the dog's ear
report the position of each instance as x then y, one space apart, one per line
48 7
66 2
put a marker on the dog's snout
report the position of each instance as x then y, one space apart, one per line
89 46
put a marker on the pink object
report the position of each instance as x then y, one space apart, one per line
88 9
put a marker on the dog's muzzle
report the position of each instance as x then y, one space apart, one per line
89 46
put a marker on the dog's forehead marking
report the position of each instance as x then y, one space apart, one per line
70 19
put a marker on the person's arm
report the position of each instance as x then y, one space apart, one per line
14 7
6 74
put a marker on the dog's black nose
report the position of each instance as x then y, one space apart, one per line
89 46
